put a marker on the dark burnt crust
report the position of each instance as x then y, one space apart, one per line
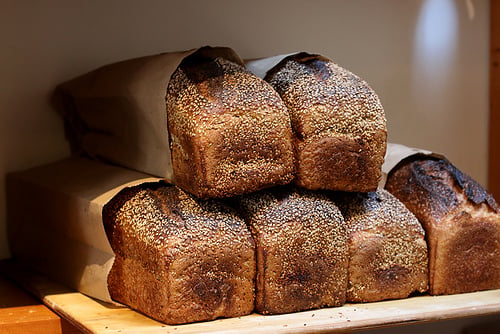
112 208
179 213
200 65
315 62
179 203
473 190
429 174
170 199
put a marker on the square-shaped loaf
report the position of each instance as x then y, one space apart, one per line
461 219
301 250
338 123
387 249
178 259
230 132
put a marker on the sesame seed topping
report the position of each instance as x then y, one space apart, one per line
232 128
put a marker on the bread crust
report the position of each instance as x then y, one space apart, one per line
230 132
301 250
387 248
179 259
338 123
461 219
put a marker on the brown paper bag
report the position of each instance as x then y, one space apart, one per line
55 220
396 153
117 113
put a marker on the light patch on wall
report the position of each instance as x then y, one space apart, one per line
435 45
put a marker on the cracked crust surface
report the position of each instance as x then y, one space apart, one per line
461 219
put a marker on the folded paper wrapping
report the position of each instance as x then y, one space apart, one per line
395 153
55 217
117 113
260 66
55 220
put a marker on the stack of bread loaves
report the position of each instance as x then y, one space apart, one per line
271 201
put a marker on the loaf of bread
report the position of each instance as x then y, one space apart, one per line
387 249
230 132
338 123
178 259
461 220
301 250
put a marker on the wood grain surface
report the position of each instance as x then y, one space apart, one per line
21 313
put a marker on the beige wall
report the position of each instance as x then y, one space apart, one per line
434 101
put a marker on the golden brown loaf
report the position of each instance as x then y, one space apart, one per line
387 249
461 219
338 122
230 131
301 250
179 259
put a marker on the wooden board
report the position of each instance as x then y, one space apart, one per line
20 313
92 316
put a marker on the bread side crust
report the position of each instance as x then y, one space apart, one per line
461 220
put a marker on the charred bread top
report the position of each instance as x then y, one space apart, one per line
230 131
